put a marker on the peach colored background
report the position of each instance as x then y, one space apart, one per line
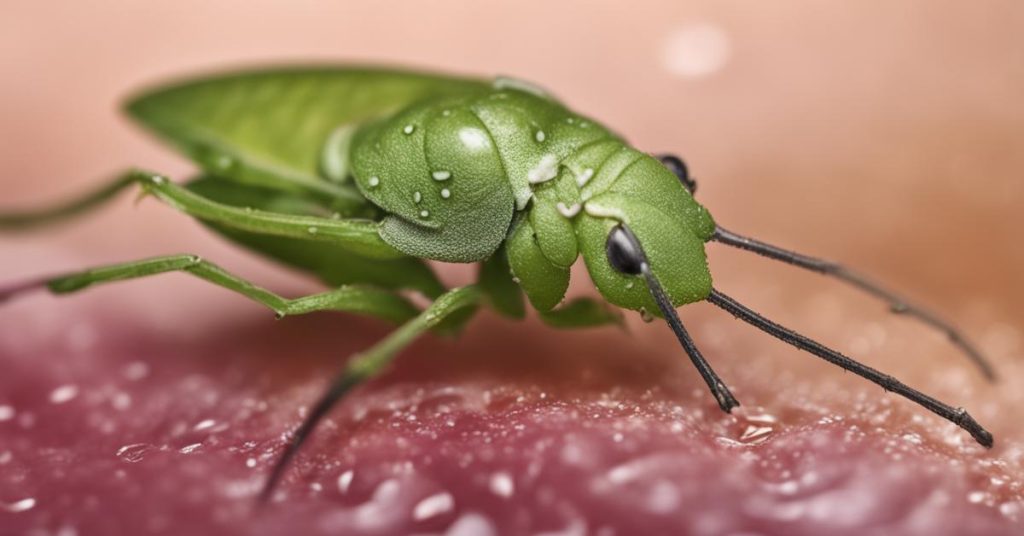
889 137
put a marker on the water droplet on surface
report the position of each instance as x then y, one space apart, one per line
441 175
435 505
19 506
345 480
409 129
133 453
540 136
445 193
63 394
417 197
501 484
646 316
373 181
424 213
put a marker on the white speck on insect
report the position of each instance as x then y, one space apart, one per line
374 181
417 197
441 175
409 129
432 506
473 138
540 136
19 506
570 211
345 480
446 193
501 484
545 170
424 213
63 394
312 230
601 211
583 178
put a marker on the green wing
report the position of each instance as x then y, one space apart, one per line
269 127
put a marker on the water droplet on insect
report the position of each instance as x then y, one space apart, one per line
6 413
441 175
374 181
63 394
501 484
133 453
424 213
435 505
417 197
446 193
409 129
646 316
540 136
157 179
19 506
312 230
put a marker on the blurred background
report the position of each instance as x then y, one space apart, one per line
886 135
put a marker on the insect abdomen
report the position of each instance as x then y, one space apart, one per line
451 172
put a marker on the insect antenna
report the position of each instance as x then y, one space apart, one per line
896 303
957 416
339 387
627 256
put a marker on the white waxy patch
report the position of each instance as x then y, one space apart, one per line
540 136
544 171
441 175
446 193
63 394
417 197
409 129
432 506
570 211
374 181
601 211
583 178
424 213
473 138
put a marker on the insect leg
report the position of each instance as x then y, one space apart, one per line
363 300
957 416
896 303
77 205
368 364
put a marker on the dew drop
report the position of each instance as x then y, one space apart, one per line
133 453
63 394
540 136
646 316
409 129
19 506
446 193
441 175
374 181
417 197
501 484
433 506
424 213
345 480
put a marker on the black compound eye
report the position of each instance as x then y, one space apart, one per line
624 253
679 169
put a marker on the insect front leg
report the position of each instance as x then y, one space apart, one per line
78 205
355 299
370 363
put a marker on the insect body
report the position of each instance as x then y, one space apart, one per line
359 175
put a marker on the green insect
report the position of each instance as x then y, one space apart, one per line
359 175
